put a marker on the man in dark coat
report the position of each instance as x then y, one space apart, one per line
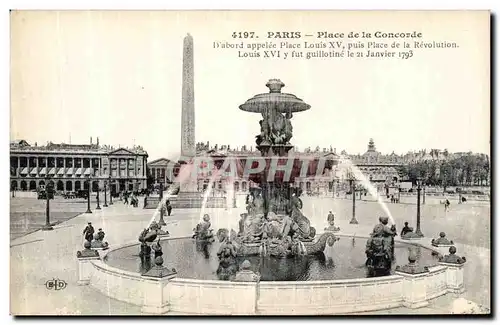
88 232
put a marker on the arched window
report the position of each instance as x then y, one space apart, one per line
236 186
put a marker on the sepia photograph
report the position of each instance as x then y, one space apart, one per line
224 162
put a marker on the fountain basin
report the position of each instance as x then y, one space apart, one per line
195 261
319 297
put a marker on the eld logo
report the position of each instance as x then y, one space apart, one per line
55 284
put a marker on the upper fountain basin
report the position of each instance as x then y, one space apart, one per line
275 99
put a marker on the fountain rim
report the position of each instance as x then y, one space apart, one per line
337 234
273 98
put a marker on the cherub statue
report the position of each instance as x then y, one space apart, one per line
203 230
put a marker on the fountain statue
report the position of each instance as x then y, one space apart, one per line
228 266
380 248
274 223
147 236
441 241
245 274
203 230
331 223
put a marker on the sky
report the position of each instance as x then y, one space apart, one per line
118 76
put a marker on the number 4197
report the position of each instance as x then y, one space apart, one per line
243 34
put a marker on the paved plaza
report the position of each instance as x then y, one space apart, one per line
43 255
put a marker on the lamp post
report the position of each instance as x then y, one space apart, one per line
49 190
88 195
418 232
423 196
110 191
353 189
98 207
105 199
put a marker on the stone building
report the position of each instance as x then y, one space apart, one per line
163 170
72 166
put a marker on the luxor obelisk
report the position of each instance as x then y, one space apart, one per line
188 149
188 196
188 188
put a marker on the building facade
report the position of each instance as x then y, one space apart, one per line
161 171
73 167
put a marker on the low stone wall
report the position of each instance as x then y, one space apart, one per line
330 297
210 297
181 202
469 197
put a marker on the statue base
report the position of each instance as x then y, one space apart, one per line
332 229
274 149
189 200
96 244
312 247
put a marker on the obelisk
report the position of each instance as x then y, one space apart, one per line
188 149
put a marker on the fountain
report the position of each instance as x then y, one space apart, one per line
274 208
275 250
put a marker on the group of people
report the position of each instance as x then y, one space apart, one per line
134 201
96 239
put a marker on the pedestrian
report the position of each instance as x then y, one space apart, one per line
446 205
125 198
169 208
88 232
405 229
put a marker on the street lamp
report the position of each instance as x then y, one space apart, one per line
105 199
423 197
110 191
49 190
98 207
418 232
88 195
353 189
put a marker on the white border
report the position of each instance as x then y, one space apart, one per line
190 4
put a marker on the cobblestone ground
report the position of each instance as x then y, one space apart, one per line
41 256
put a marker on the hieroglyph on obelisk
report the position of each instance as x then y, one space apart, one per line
188 148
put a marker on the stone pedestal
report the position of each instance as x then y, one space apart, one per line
454 277
157 299
85 267
414 289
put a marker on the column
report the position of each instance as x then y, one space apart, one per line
99 173
37 168
18 166
28 163
64 164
